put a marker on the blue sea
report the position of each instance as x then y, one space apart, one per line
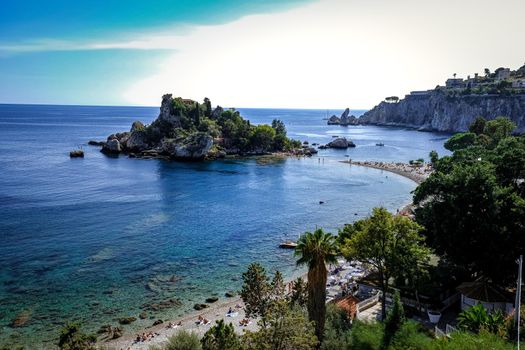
95 239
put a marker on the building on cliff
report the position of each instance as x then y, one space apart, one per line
454 83
453 107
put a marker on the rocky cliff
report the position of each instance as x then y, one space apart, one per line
440 110
164 138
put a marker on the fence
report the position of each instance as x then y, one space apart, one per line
367 303
448 331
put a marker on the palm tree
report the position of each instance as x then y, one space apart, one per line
316 250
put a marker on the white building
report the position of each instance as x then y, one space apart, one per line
487 294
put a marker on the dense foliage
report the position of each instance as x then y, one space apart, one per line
473 204
393 245
228 127
477 319
283 324
409 335
284 328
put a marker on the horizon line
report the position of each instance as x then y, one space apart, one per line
146 106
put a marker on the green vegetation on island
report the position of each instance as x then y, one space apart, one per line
189 130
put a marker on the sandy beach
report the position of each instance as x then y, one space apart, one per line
417 174
213 313
162 332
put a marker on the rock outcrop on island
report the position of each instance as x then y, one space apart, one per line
345 119
452 108
188 130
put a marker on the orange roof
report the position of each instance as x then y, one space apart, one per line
348 303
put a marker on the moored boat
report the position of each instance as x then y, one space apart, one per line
288 245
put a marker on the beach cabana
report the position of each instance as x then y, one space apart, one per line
489 295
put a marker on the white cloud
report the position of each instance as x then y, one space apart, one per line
156 42
337 53
328 54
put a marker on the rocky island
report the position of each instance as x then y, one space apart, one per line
188 130
453 107
191 131
345 119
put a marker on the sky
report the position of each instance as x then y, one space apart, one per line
257 53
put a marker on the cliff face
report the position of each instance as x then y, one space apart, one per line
438 111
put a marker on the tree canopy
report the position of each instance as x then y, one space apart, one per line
391 244
473 205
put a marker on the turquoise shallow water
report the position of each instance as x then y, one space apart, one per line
97 238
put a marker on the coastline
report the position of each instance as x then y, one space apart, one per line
220 309
416 174
213 313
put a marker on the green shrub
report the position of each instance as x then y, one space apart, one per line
366 336
221 337
71 338
471 341
182 340
337 326
410 336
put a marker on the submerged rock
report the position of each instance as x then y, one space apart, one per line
174 279
127 320
21 319
212 299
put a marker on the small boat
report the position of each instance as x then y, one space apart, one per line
288 245
380 144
